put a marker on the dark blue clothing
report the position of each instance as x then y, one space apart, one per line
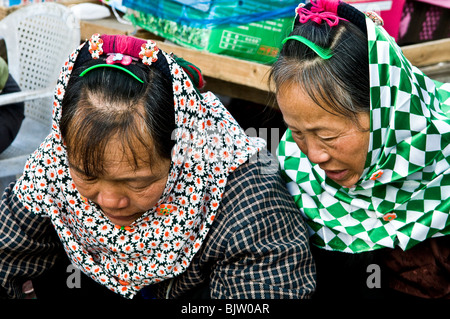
11 116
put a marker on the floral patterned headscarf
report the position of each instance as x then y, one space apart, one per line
161 243
403 195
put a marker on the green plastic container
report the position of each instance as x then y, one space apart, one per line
258 41
246 29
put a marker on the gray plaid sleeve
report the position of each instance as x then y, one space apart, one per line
27 246
266 245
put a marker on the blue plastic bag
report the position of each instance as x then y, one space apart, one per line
210 13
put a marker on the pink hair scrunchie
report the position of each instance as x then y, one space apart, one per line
321 10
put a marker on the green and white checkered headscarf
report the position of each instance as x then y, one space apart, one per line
403 195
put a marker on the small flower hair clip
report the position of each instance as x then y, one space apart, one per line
372 15
149 52
123 59
95 46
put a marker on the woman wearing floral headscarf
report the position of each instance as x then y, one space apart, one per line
153 190
366 155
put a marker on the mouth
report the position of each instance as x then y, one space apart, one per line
337 175
121 220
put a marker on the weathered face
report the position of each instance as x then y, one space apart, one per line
332 141
125 190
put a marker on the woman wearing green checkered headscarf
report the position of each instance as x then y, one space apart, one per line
366 155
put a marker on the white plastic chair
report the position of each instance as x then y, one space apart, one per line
39 38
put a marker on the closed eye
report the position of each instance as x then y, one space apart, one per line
80 174
297 134
331 138
138 186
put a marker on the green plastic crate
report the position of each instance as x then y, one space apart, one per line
257 41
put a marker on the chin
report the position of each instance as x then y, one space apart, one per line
348 183
123 221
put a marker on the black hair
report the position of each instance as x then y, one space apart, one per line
341 82
132 111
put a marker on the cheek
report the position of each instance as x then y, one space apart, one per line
300 143
84 188
353 152
148 198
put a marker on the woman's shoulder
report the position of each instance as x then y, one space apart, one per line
256 190
261 170
255 201
13 210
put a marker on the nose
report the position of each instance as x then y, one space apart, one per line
112 200
315 152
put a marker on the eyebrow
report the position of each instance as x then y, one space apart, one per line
124 179
314 129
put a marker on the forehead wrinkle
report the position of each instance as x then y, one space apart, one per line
135 150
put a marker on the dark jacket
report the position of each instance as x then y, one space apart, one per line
11 116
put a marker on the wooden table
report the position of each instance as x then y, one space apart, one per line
248 80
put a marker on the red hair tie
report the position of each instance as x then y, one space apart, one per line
147 50
321 10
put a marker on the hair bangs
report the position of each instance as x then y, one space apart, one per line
93 129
